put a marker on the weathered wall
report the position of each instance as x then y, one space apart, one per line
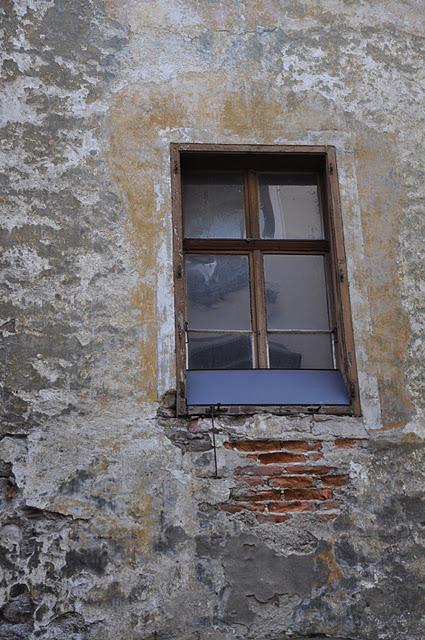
112 524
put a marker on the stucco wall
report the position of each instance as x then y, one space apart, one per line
113 525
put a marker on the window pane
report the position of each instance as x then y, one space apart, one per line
289 206
220 351
217 292
295 292
300 351
213 205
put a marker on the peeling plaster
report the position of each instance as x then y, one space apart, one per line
111 524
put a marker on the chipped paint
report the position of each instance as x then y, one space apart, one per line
111 524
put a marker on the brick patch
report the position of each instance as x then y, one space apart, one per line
235 508
258 471
257 496
277 479
291 506
308 494
292 482
334 481
270 458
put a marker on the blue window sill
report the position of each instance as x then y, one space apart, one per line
266 387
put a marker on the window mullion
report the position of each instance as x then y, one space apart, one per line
259 323
260 311
254 304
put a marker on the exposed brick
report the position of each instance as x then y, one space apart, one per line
292 482
259 496
308 494
270 517
334 481
256 470
273 458
252 481
318 470
274 445
291 506
275 470
236 508
346 443
231 508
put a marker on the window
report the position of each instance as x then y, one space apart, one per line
261 292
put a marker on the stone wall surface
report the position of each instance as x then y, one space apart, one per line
114 524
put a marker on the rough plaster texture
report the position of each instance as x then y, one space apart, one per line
110 526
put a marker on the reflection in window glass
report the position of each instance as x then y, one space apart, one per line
300 351
295 292
289 206
213 205
220 351
217 292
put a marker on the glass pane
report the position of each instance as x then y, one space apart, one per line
217 292
213 205
296 292
289 206
220 351
300 351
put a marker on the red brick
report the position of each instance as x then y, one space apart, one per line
236 508
253 481
346 443
264 517
291 506
259 496
274 445
273 458
292 482
334 481
318 470
308 494
256 470
275 470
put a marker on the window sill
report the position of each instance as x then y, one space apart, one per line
281 388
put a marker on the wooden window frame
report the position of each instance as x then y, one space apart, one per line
333 247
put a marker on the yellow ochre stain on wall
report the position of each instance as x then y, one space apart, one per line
382 200
136 535
333 569
131 155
